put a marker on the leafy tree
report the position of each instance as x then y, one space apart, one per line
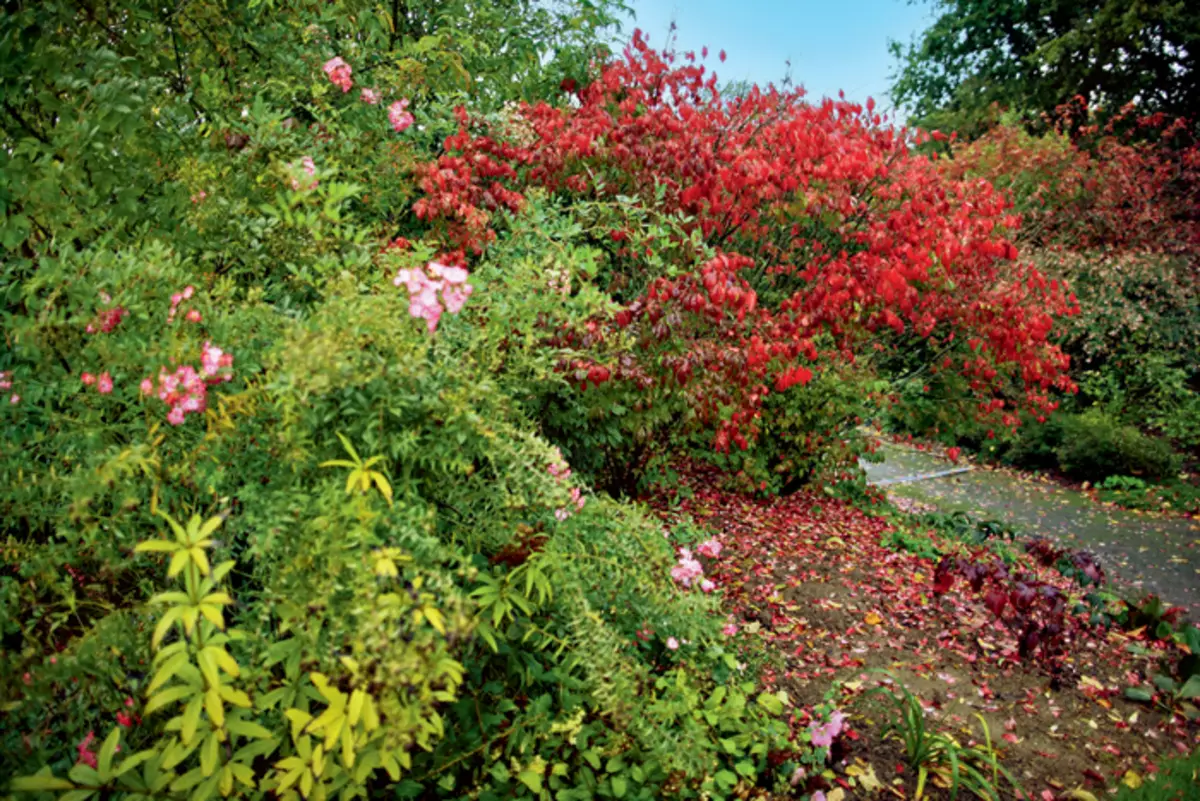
104 101
1033 55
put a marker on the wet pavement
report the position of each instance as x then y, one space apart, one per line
1156 553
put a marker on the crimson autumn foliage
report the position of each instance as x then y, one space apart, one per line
807 235
1128 184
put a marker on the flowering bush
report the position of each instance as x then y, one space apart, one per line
279 510
812 233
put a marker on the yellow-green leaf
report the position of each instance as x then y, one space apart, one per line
213 614
199 558
210 526
169 668
168 696
169 617
191 719
178 562
208 754
248 728
105 755
214 706
44 781
384 486
235 697
156 545
356 705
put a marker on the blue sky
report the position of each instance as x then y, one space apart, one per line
832 44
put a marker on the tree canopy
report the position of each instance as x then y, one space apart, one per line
1033 55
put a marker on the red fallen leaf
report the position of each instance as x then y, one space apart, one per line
1011 738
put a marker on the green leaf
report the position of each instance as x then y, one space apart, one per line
725 779
619 786
531 780
42 781
85 775
107 749
166 697
156 545
208 754
248 729
167 671
133 761
1139 694
77 795
771 703
1191 688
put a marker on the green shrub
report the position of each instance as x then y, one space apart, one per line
380 586
1094 446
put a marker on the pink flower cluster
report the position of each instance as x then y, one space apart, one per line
689 569
180 297
186 390
6 383
577 500
108 320
423 289
86 755
339 73
562 472
310 169
103 382
399 116
823 734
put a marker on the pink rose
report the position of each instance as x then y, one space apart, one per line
398 116
339 73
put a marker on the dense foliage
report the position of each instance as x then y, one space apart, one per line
334 335
1033 55
1112 209
789 240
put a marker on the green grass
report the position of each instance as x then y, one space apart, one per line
1177 780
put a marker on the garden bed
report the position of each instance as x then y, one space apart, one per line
810 577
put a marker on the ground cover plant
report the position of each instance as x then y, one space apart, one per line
382 383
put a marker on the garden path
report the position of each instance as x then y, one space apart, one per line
1158 553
